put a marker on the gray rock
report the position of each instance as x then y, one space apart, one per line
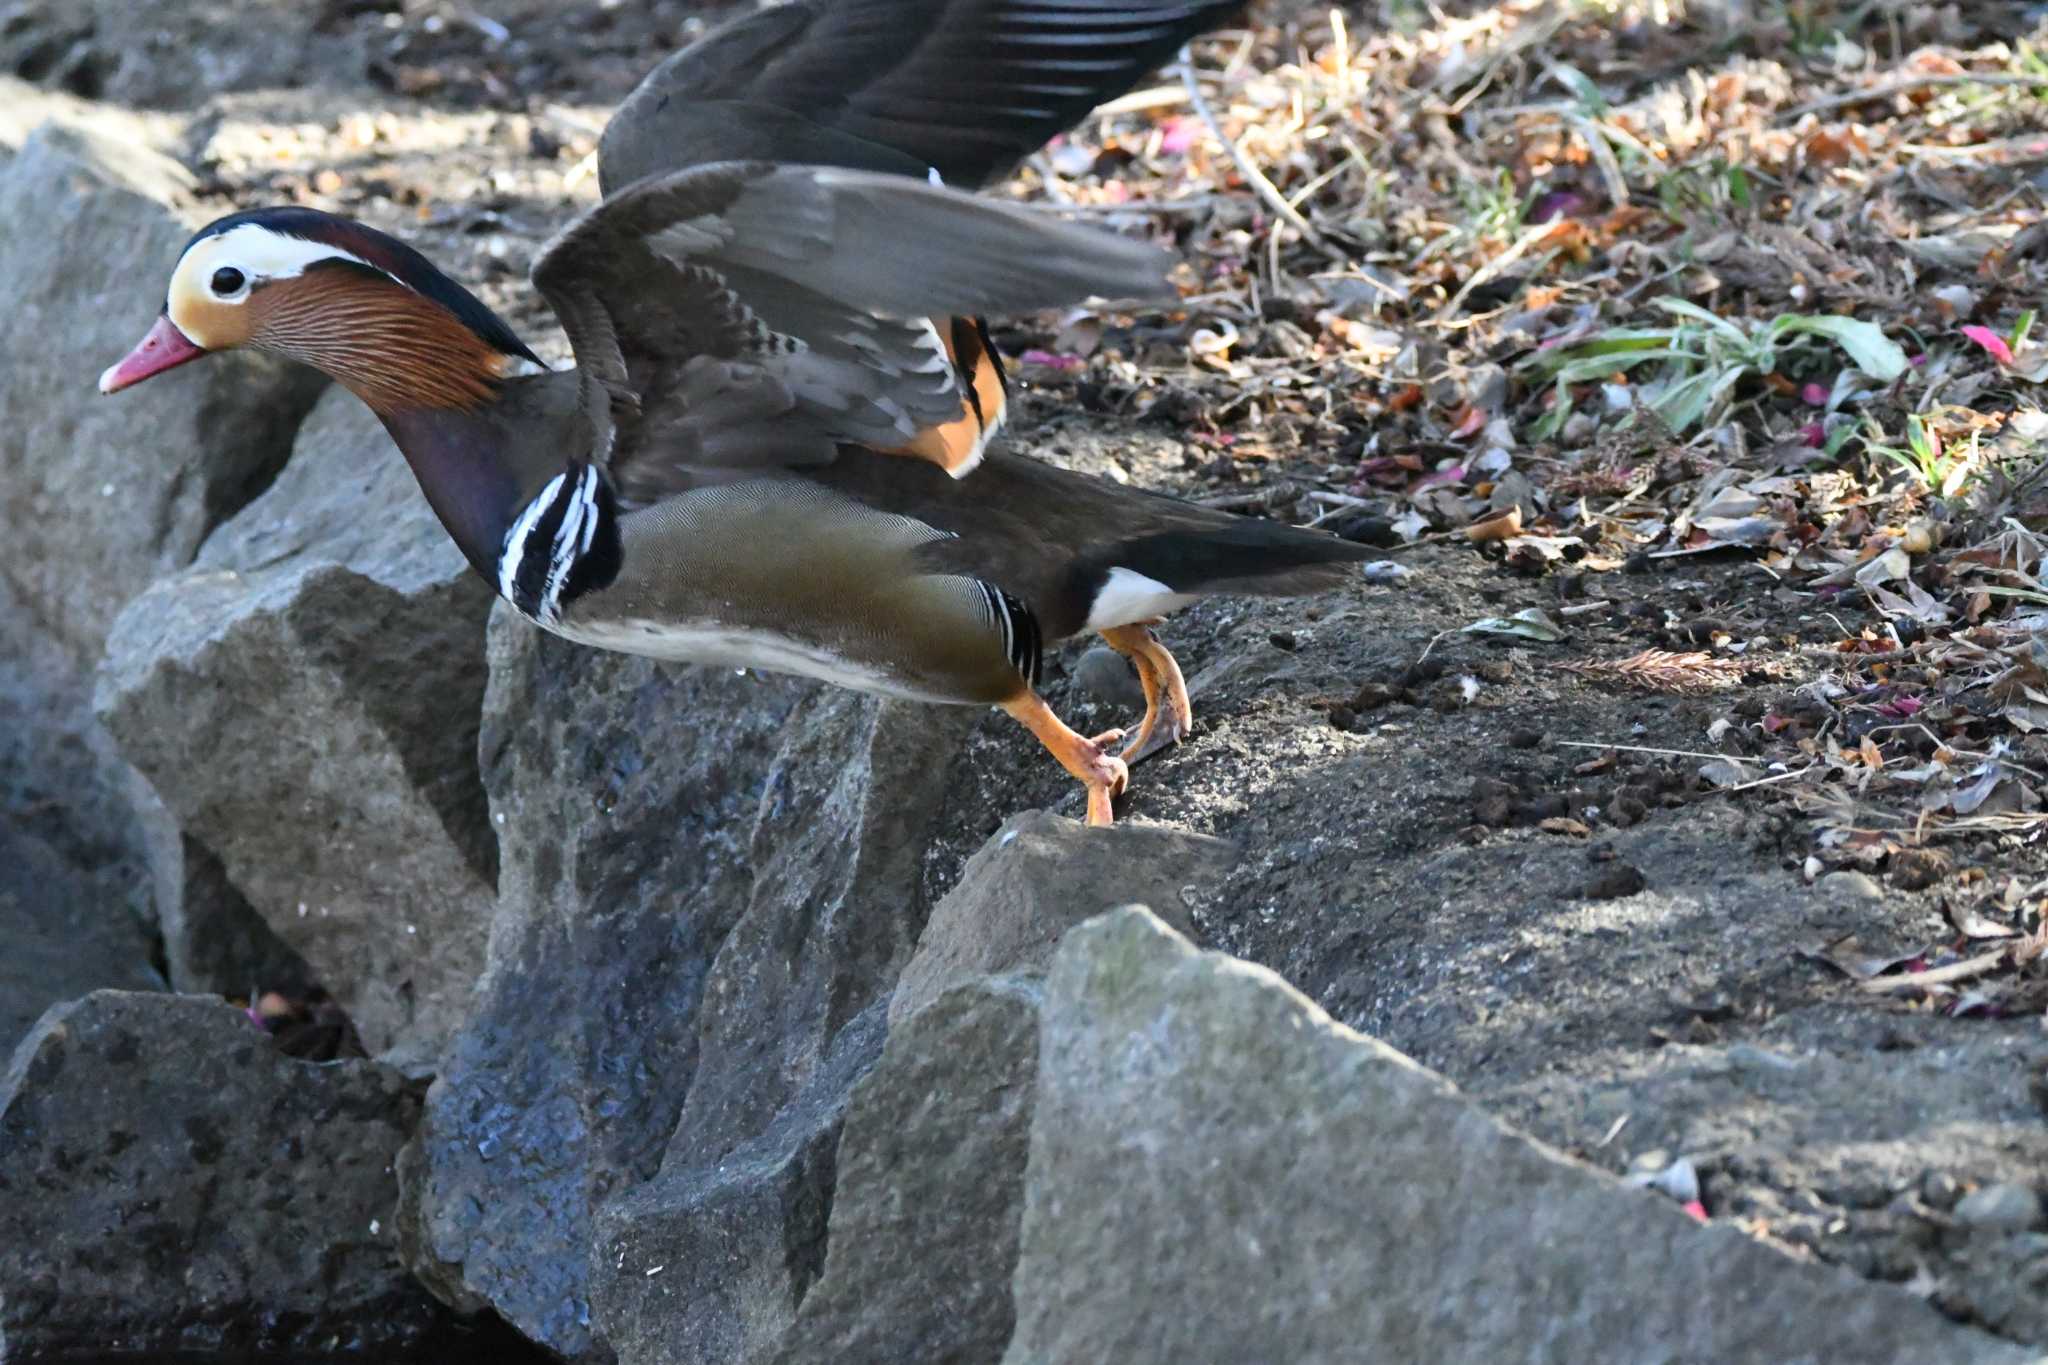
2004 1207
1037 877
102 495
709 1260
61 778
169 1181
930 1191
63 937
214 941
792 1012
622 792
1107 676
25 108
306 702
172 55
1220 1172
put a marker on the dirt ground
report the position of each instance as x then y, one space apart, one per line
1763 910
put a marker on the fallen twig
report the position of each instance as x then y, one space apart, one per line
1939 976
1253 176
1900 87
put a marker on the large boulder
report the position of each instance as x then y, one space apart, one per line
710 881
306 701
1218 1171
1038 877
624 794
710 1260
102 495
170 1182
737 1219
930 1188
793 1013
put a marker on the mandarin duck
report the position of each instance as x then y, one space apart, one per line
773 449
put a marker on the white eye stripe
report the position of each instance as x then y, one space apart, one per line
261 254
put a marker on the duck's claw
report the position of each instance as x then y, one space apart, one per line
1160 676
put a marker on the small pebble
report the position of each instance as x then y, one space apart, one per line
1625 811
1938 1189
1366 529
1371 696
1617 880
2007 1207
1386 571
1283 639
1850 886
1104 675
1916 869
1541 808
1525 739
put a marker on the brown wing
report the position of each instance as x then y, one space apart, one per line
744 316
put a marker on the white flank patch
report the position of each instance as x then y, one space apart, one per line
1129 596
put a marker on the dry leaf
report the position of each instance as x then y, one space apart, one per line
1508 523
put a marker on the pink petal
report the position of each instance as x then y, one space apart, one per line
1052 361
1815 394
1815 433
1557 204
1696 1209
1990 341
1179 134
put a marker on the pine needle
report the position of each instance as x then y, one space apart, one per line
1660 670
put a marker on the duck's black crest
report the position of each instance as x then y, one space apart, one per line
386 253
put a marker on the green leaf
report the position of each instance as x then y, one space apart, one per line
1738 187
1686 309
1869 349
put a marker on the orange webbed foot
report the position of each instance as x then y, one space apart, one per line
1103 773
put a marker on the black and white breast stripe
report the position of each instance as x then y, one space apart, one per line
1022 643
563 544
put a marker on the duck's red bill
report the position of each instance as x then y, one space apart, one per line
165 348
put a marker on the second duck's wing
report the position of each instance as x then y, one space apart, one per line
740 317
961 87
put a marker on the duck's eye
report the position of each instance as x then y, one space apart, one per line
227 280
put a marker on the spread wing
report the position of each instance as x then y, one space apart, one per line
742 316
963 87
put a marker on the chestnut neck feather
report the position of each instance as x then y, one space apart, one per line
392 347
